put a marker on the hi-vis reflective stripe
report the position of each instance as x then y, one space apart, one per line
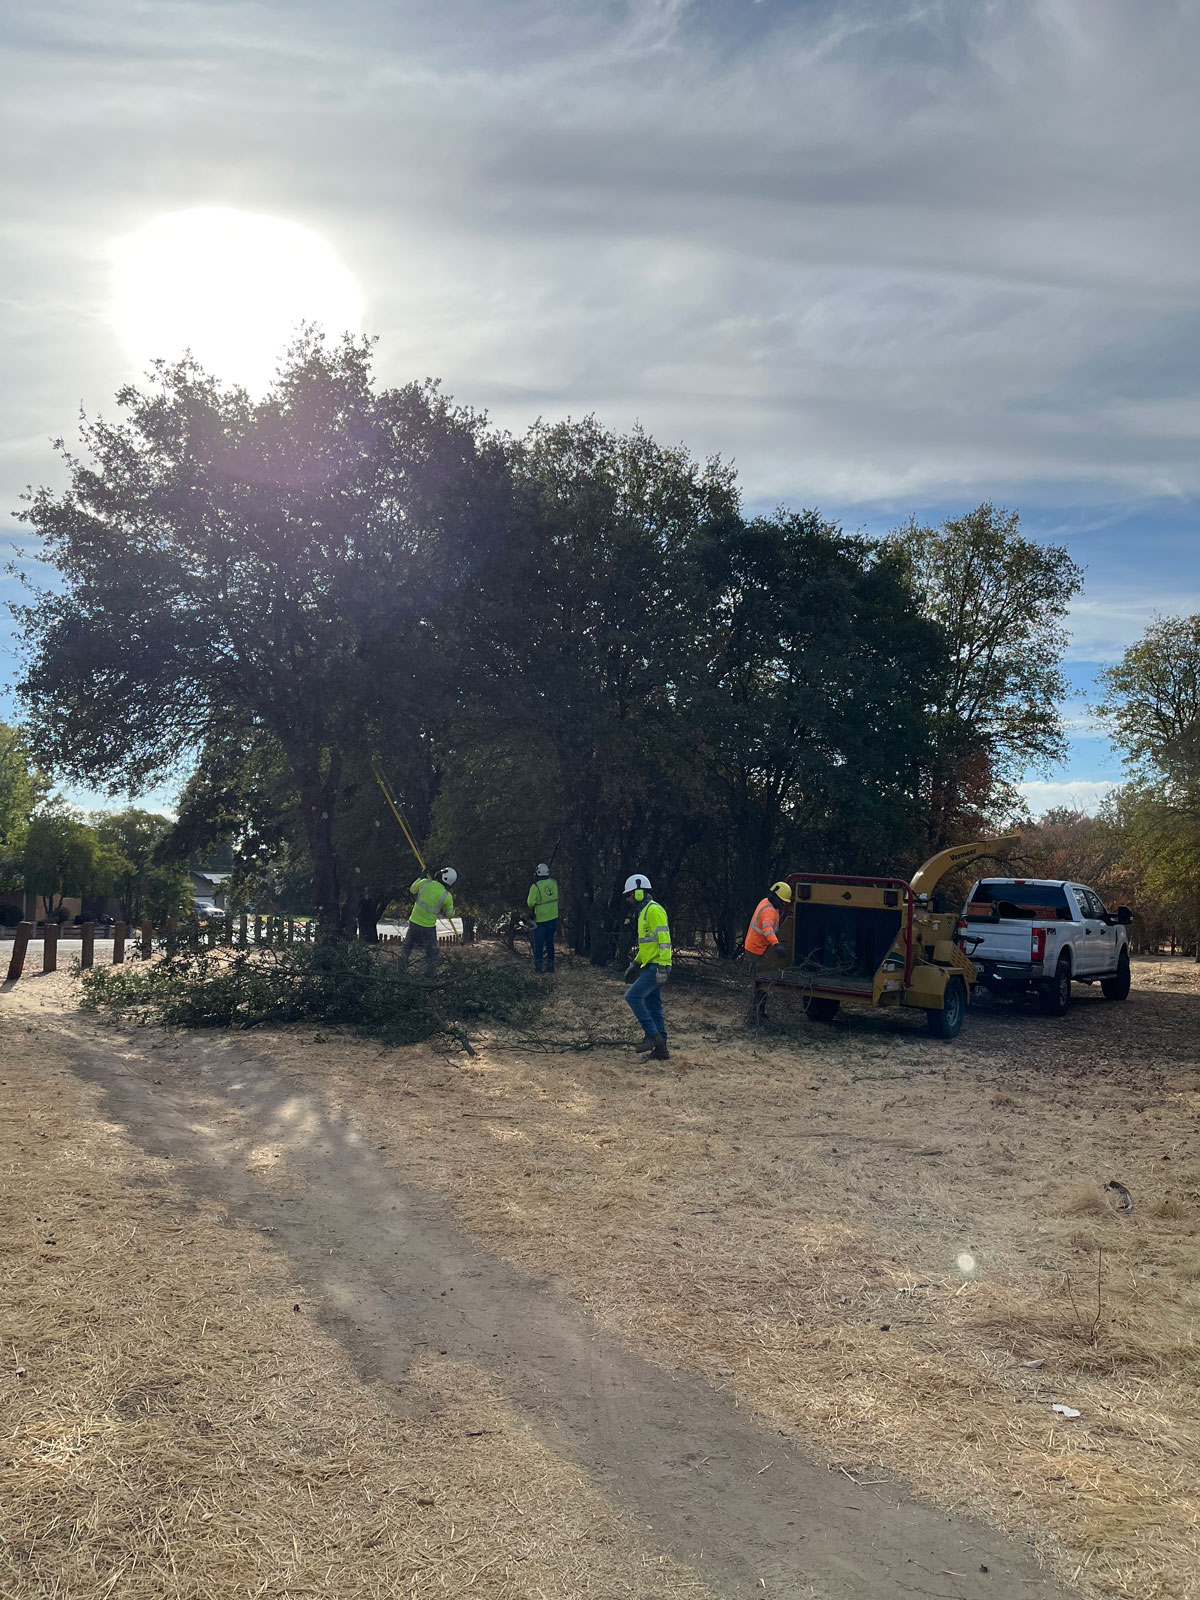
432 905
765 920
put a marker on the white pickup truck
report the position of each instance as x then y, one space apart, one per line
1044 934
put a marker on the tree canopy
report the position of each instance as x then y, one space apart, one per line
1001 602
22 786
231 567
570 646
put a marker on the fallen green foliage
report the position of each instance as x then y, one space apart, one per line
355 984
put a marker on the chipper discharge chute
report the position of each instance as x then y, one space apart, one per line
876 941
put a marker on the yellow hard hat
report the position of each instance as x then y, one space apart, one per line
782 891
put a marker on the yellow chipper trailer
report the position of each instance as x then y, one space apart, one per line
877 942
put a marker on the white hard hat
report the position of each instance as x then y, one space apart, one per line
636 882
448 876
543 871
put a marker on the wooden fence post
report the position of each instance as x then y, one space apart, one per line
87 947
172 935
243 924
291 930
210 934
258 930
16 964
227 931
147 940
118 943
50 948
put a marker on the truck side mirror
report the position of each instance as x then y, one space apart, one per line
1124 915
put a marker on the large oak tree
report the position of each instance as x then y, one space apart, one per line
254 567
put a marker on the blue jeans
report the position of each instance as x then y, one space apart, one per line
543 945
644 998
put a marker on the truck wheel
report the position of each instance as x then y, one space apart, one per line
947 1023
1054 997
818 1009
1117 988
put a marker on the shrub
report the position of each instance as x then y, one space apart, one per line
359 985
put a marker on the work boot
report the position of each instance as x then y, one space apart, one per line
660 1052
647 1044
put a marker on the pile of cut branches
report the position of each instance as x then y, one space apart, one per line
354 984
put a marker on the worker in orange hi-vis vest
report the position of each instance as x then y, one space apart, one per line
762 933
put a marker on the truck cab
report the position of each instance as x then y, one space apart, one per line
1043 935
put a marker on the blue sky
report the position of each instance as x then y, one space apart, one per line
892 256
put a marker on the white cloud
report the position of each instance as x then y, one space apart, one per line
869 248
1101 629
1081 794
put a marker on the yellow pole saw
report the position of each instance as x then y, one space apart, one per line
394 804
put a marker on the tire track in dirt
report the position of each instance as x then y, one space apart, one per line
392 1274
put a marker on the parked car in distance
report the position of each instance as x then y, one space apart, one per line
1043 934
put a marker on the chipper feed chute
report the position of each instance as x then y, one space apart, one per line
875 941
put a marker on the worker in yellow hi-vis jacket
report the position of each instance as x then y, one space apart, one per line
433 900
650 967
542 900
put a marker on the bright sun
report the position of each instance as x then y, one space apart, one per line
229 286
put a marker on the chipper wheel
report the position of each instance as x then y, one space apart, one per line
818 1009
947 1023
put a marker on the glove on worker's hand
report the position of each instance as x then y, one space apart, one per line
661 974
631 971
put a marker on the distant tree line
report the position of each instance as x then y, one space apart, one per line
571 646
1142 848
53 851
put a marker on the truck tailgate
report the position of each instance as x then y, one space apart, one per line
999 941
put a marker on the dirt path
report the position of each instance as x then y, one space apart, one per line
392 1275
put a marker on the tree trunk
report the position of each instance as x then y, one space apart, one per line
316 810
368 920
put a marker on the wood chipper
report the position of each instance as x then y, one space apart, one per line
876 942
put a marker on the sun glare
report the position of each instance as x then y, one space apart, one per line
229 286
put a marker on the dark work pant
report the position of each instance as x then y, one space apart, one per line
644 998
425 939
543 945
757 1008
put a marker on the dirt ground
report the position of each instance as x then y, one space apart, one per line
858 1233
175 1422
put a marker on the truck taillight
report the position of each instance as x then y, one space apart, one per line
961 927
1037 944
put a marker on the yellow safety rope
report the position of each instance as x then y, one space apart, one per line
391 800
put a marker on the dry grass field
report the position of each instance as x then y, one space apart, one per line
903 1251
173 1423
